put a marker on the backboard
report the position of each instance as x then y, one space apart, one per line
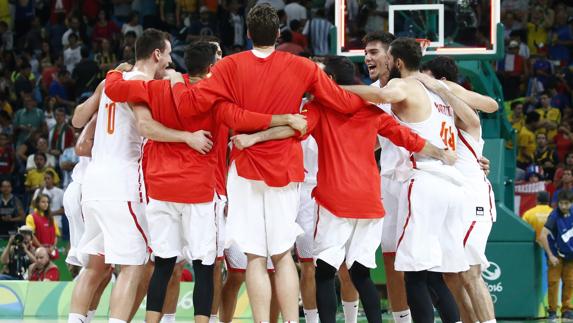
454 27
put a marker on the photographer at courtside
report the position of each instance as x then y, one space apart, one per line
18 255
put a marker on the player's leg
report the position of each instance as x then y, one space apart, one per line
91 244
172 296
456 286
85 288
348 294
475 244
303 247
246 229
391 193
258 287
308 291
142 288
478 293
275 307
442 298
220 205
125 241
200 235
97 296
280 212
166 240
396 290
217 285
361 257
332 235
230 290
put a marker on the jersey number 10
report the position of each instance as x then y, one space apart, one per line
448 137
110 107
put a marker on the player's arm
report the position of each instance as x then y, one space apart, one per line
120 90
477 101
404 137
243 141
461 109
393 92
151 129
328 93
85 141
85 110
243 120
193 100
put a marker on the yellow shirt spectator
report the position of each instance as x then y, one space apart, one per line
536 35
536 217
35 177
526 145
549 114
516 122
187 6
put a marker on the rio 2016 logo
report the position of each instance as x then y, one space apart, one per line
490 275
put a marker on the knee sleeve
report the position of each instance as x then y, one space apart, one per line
158 283
443 298
325 292
418 296
203 290
369 297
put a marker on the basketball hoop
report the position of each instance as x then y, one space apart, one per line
424 44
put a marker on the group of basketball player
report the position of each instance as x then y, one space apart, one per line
325 197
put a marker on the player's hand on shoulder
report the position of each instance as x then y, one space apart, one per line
124 67
431 83
298 122
448 157
243 141
200 141
172 74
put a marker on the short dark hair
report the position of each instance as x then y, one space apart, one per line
341 69
263 25
532 117
294 24
198 57
384 37
286 36
130 33
39 153
565 195
442 67
408 50
516 103
84 52
543 197
150 40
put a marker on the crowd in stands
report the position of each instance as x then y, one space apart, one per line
537 78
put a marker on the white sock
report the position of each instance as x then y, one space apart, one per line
116 321
310 316
213 319
90 316
168 318
76 318
350 311
491 321
402 317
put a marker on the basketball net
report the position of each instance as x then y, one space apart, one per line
424 44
